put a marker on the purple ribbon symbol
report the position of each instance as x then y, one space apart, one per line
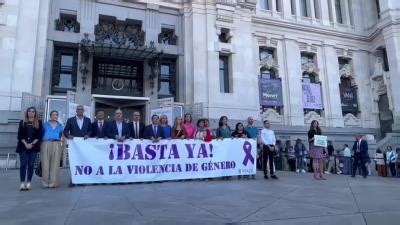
247 151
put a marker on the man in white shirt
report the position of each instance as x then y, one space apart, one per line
346 160
268 140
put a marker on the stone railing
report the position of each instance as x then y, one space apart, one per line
391 139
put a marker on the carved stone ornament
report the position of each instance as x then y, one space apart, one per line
120 33
378 68
346 71
351 121
312 115
267 63
272 116
309 67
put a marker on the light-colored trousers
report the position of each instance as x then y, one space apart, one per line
50 156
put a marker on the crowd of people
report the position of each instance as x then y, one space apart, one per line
35 137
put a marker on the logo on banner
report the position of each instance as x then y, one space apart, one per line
247 150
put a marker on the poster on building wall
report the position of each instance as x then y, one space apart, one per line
348 97
270 92
312 98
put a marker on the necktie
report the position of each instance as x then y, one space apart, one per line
136 130
155 131
101 125
358 146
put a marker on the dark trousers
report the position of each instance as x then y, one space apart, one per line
27 159
347 165
268 155
359 162
392 167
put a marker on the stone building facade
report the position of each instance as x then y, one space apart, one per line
210 57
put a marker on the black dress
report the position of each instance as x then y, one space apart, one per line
27 131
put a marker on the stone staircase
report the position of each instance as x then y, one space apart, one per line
391 139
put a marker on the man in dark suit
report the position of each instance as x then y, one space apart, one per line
78 126
99 126
136 127
153 131
360 149
117 128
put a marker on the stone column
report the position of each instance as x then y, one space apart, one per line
25 48
293 85
346 9
362 75
392 40
297 3
331 80
273 5
325 13
287 9
312 9
333 11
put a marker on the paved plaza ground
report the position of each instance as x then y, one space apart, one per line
293 199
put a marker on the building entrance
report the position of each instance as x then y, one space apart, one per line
127 104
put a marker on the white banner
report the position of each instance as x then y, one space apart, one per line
108 161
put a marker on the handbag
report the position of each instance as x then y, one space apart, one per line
38 170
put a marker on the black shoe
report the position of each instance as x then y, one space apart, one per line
365 177
274 177
71 185
239 177
266 177
353 176
253 177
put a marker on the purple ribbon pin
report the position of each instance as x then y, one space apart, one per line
247 151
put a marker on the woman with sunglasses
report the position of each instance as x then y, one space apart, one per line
29 135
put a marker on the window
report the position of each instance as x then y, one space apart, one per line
317 10
267 71
64 69
378 8
167 36
267 54
224 84
67 23
224 36
117 77
278 5
310 76
167 85
338 9
265 4
385 60
348 91
304 8
293 6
